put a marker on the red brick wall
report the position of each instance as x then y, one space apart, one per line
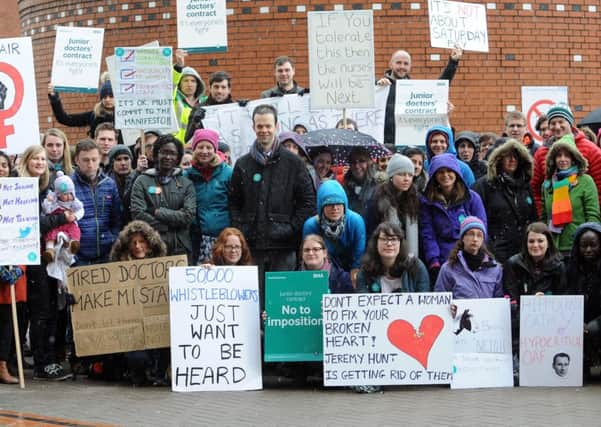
9 19
527 48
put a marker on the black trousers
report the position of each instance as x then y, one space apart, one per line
41 296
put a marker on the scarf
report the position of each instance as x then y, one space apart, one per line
206 171
331 229
561 208
324 267
473 261
262 157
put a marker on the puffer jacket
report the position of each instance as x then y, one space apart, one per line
101 221
169 208
349 247
484 282
120 250
508 201
466 171
519 277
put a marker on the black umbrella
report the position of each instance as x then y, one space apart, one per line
341 142
592 120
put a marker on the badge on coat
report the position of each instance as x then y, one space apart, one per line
154 190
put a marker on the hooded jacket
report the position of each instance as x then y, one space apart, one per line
508 201
466 172
440 224
349 247
478 167
181 105
120 250
485 282
583 196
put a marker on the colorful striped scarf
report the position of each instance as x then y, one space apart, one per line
561 207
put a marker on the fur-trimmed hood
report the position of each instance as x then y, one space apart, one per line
567 143
525 161
120 249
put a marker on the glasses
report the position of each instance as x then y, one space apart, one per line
389 240
233 248
312 250
168 153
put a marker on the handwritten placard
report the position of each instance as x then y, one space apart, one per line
341 59
121 306
202 25
77 57
215 338
454 23
551 330
482 330
387 339
19 221
144 88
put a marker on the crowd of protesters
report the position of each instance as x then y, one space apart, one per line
477 215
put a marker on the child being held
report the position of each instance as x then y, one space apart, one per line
56 202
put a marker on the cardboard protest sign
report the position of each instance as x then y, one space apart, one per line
144 88
482 330
420 104
77 57
454 23
215 337
551 330
293 330
536 101
201 25
341 59
121 306
387 339
19 127
19 221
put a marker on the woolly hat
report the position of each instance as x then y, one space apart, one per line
224 148
106 90
470 223
205 135
399 164
561 110
118 150
63 184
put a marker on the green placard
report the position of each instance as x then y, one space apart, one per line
293 330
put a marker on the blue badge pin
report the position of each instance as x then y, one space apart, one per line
257 177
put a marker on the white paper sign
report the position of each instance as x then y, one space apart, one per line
454 23
215 335
144 88
536 101
19 221
341 59
420 104
19 126
551 329
202 25
77 57
387 339
483 357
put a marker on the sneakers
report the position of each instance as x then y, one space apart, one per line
51 372
366 389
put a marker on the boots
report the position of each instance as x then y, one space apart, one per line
5 376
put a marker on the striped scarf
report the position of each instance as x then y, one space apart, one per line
561 207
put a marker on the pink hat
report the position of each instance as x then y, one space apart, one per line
205 135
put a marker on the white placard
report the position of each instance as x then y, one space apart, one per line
19 127
551 330
202 25
387 339
144 88
483 357
454 23
536 101
341 59
19 221
77 57
420 104
215 335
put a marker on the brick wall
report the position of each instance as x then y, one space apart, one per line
531 44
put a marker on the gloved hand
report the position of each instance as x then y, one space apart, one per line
243 102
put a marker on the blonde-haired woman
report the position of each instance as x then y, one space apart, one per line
58 153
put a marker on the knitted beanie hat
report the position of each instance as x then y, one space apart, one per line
118 150
63 184
561 110
106 90
470 223
399 164
205 135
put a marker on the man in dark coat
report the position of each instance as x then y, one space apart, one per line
284 76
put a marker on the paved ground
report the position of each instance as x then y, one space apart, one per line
121 404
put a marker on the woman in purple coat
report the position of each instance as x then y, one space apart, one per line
445 203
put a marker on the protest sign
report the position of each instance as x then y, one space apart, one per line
387 339
215 338
121 306
420 104
454 23
19 127
482 330
201 25
77 56
341 59
228 120
293 330
551 330
536 101
144 88
19 221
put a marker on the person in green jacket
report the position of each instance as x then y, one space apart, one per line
569 194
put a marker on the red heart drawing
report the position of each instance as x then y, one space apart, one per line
416 344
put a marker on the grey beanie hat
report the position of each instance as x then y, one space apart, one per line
118 150
399 164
